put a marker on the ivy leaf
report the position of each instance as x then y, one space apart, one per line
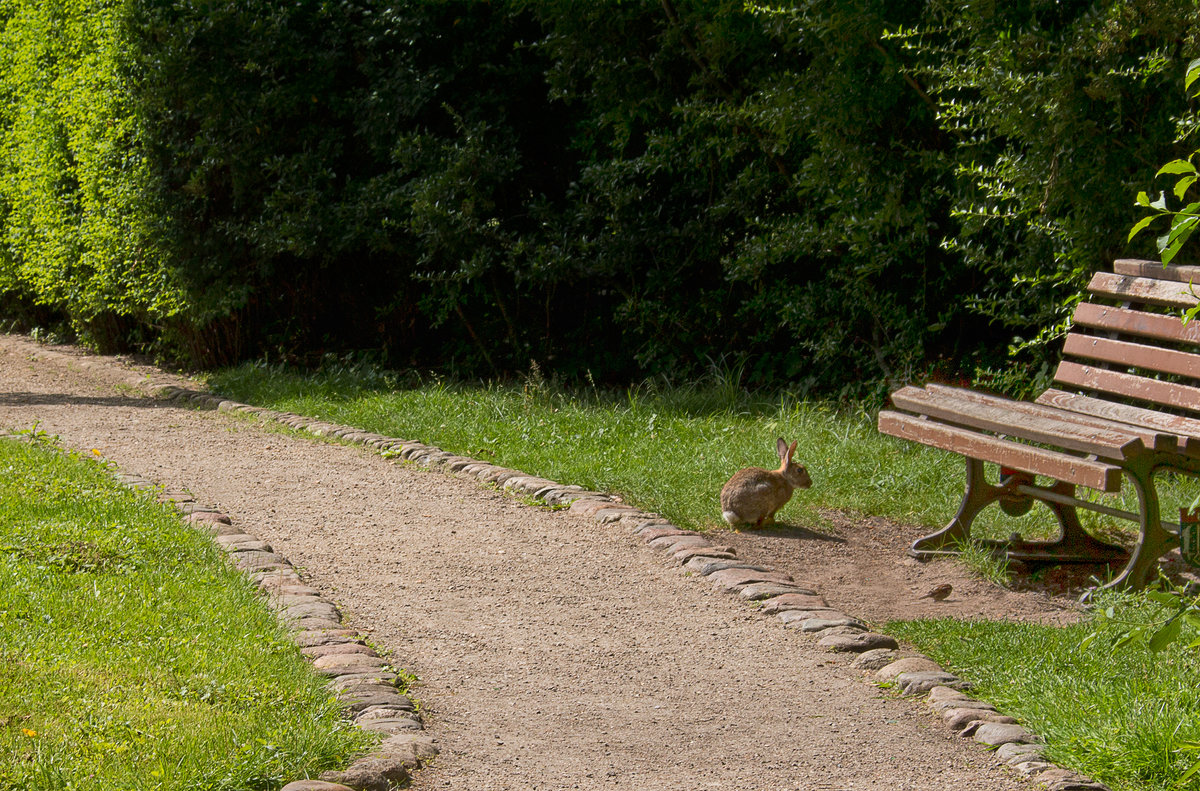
1182 228
1193 73
1182 185
1127 637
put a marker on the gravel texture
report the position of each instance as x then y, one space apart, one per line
554 650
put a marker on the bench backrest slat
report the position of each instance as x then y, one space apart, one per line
1157 326
1140 289
1140 388
1133 355
1139 351
1155 269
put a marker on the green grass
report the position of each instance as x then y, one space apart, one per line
132 656
1123 716
668 450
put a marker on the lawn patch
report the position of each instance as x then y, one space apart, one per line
133 656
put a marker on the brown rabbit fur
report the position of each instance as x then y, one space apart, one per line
753 495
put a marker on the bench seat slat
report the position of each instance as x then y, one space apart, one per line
1164 441
1155 269
1133 355
1038 461
1002 417
1129 385
1142 289
1185 428
1157 326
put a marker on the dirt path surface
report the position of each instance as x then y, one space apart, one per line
552 652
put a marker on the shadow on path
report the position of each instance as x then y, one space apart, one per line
62 399
797 533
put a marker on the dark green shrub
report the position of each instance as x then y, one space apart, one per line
826 196
1057 109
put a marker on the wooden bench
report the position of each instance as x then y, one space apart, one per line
1126 406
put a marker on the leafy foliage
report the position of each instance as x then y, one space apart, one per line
1055 108
837 197
73 179
1185 219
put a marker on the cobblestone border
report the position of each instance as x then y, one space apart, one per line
362 681
360 678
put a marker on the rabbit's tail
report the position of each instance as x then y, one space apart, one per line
732 518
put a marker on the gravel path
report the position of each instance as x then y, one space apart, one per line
552 652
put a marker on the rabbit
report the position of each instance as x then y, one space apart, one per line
753 495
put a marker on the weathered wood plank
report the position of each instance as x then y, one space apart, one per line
1002 417
1187 429
1038 461
1155 269
1163 441
1143 289
1157 326
1129 385
1133 355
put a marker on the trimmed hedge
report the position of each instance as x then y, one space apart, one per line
831 196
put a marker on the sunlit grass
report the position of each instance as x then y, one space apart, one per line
665 449
1122 716
132 656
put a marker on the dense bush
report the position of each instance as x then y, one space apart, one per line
831 196
1062 110
74 186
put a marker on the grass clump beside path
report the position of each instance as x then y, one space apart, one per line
132 656
1127 716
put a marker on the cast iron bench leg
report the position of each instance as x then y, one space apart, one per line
1074 545
1153 540
978 495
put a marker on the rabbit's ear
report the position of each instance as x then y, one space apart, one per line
790 451
782 448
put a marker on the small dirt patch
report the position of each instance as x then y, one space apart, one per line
861 565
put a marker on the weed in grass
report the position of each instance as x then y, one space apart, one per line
36 436
75 557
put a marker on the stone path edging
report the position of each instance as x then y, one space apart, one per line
361 679
363 682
